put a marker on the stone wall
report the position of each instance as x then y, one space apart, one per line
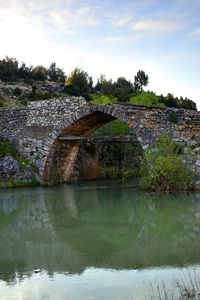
35 130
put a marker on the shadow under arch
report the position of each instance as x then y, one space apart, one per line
61 157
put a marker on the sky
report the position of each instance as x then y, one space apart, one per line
112 37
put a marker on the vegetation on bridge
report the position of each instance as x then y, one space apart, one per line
46 83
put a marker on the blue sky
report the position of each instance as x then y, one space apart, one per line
115 38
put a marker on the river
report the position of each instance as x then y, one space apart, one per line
96 240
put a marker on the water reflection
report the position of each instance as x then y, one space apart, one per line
71 228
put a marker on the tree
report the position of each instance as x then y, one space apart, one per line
123 89
79 83
55 73
140 80
8 69
104 86
170 101
40 73
25 72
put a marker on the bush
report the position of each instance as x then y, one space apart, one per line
17 92
146 98
2 103
164 169
102 99
7 149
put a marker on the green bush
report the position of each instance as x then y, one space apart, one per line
36 95
173 117
146 98
7 149
102 99
17 92
2 103
164 169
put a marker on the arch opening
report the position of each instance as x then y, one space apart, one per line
60 162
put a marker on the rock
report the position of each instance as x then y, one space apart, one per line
26 174
9 168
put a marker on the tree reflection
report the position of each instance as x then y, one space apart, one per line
68 228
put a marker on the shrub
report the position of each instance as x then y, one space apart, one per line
17 91
7 149
102 99
164 169
173 117
146 98
2 103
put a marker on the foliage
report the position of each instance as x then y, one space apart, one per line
116 160
79 83
25 72
8 69
115 127
123 89
164 169
7 149
140 80
185 287
173 117
11 70
14 183
146 98
2 104
2 101
17 92
38 94
102 99
170 101
55 73
40 73
104 86
113 172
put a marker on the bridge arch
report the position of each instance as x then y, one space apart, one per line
58 164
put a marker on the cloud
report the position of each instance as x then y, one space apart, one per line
121 20
69 18
159 27
127 38
195 32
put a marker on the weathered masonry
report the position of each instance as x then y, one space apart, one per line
37 130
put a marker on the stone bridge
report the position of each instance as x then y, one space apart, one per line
36 130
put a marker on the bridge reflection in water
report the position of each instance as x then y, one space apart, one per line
67 229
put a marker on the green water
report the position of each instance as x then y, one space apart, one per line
105 240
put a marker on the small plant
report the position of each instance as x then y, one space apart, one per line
164 169
173 117
14 183
17 92
2 101
7 149
185 287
